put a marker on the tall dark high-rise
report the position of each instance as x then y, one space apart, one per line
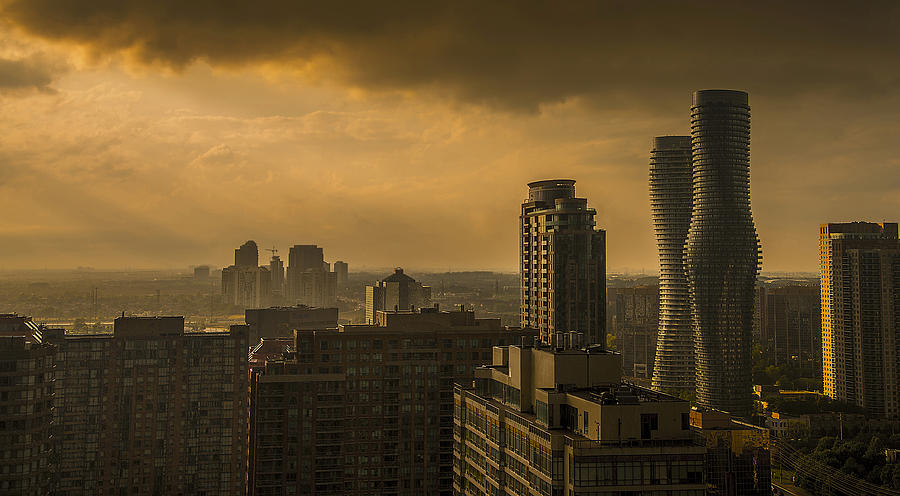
562 263
670 203
308 281
722 253
247 255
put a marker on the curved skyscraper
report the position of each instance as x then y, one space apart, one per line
722 253
670 203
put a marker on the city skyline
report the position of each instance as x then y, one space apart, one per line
146 152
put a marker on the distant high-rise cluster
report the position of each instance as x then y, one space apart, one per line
860 288
307 281
710 263
562 263
396 292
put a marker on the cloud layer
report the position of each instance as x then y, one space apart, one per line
404 134
510 54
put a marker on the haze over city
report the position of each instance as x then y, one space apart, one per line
161 134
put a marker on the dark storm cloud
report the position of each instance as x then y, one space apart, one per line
507 53
26 74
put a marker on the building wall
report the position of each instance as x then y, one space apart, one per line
367 409
282 321
534 422
793 321
637 329
151 409
562 263
27 381
860 289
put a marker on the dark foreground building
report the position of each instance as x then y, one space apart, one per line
27 381
151 409
737 457
280 322
559 421
722 253
367 409
637 313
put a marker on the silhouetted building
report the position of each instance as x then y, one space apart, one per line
278 322
860 288
201 272
793 326
367 409
276 273
27 382
722 253
671 200
151 409
396 292
247 255
636 329
559 421
341 269
737 458
562 263
308 280
246 286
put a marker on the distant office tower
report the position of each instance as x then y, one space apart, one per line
636 323
396 292
341 269
276 273
671 197
247 255
201 272
27 382
561 422
792 325
722 253
246 286
277 322
562 263
308 281
367 409
151 409
737 454
860 284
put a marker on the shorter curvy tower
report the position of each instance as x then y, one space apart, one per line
722 253
670 204
562 264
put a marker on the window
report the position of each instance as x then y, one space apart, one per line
649 422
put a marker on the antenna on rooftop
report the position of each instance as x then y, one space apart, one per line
273 250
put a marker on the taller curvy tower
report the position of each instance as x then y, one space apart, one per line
562 263
722 253
670 203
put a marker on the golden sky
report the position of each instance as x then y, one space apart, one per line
165 133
